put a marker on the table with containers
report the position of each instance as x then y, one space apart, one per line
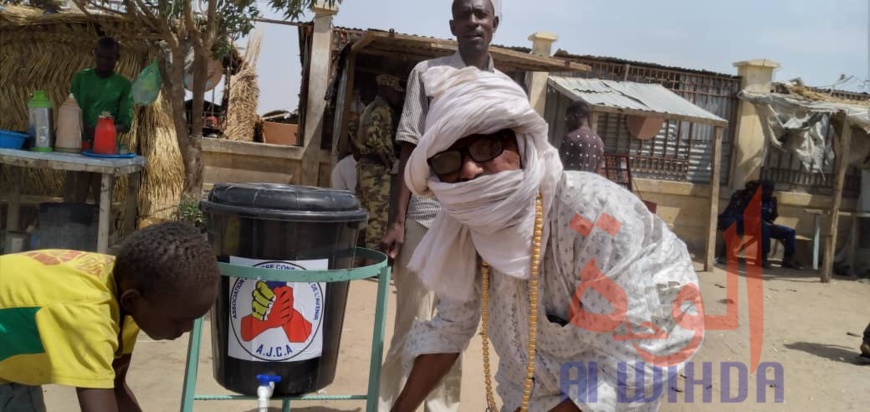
46 146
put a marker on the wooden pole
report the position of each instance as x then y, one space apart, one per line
714 200
13 209
345 109
132 203
320 60
593 121
104 229
841 149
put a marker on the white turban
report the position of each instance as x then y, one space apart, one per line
492 215
496 5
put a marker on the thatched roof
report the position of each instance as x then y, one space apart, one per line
816 95
33 21
43 52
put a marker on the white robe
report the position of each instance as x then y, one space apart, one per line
644 258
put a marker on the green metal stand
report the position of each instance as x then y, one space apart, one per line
381 270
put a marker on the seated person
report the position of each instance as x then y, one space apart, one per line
734 214
770 230
71 318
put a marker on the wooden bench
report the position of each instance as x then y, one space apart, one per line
749 240
774 249
817 234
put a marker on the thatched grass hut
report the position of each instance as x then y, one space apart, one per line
244 94
43 52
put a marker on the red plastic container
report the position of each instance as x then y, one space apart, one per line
105 136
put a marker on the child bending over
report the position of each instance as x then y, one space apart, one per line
71 318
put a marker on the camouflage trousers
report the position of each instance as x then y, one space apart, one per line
373 191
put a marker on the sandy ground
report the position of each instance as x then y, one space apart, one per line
811 329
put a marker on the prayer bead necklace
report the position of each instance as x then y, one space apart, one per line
533 314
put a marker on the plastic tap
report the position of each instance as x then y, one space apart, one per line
264 392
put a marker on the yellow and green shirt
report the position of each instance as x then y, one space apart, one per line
60 319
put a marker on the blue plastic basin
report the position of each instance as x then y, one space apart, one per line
11 140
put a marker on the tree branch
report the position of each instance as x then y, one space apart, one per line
190 25
146 16
212 21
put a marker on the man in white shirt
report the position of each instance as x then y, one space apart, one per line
344 174
474 22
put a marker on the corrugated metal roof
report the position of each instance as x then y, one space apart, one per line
629 96
587 59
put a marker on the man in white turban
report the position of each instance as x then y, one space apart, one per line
473 22
568 270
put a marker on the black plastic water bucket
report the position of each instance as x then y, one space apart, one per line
292 330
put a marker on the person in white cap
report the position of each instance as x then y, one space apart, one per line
474 22
567 269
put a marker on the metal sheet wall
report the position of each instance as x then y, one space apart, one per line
681 151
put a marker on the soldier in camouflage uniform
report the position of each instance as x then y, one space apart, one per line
374 141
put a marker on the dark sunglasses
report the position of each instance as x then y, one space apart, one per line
483 150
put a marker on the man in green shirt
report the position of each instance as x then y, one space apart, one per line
96 91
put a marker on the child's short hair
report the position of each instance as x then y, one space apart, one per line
166 257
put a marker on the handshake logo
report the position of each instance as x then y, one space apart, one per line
272 307
275 321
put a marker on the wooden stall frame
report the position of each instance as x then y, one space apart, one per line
841 148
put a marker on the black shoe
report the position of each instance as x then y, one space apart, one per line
864 357
765 264
791 264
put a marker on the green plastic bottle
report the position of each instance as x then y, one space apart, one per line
41 122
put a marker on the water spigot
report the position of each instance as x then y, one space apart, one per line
265 380
264 392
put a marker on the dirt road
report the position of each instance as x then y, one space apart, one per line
810 329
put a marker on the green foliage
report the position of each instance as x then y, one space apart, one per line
189 212
294 9
235 20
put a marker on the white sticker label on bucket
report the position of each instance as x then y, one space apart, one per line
276 321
